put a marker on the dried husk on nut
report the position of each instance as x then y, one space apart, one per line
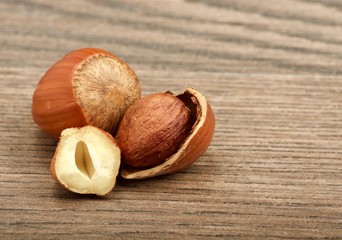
200 136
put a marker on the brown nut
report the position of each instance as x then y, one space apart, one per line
86 161
199 129
152 130
86 87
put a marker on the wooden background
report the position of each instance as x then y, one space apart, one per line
271 70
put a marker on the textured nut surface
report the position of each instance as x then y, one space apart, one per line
86 87
202 121
152 129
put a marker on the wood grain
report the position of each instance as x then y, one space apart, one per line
272 73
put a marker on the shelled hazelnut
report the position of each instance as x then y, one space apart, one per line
86 161
163 133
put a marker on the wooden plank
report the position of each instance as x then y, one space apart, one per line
271 71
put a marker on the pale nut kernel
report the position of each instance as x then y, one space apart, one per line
88 86
200 130
86 161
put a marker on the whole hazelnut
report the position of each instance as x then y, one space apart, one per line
88 86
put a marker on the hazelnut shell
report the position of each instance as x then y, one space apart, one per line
200 136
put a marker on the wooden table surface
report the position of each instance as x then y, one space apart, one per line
271 71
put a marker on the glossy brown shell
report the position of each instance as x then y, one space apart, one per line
55 106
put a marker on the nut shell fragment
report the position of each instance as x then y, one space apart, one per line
194 145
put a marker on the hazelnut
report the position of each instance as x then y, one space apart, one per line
152 130
86 87
86 161
163 133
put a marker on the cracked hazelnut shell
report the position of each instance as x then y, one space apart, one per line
201 130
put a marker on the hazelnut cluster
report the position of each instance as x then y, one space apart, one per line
91 100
